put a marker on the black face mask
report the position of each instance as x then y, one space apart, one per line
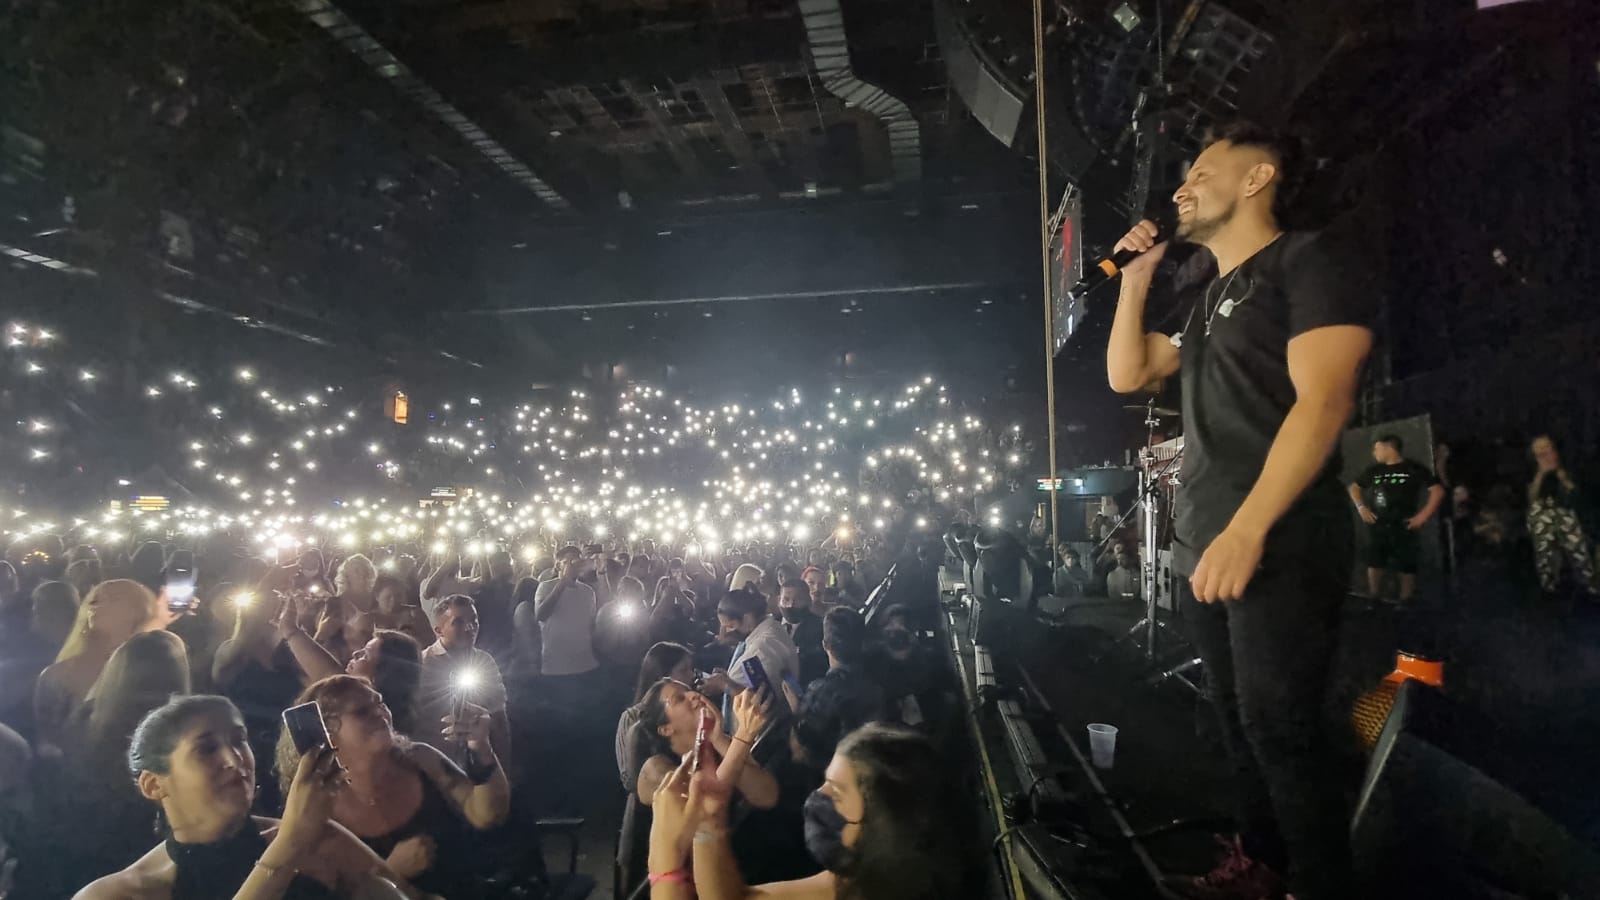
790 614
897 639
824 827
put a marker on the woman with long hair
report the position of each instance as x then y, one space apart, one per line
113 612
142 675
348 620
391 660
663 660
407 801
396 607
192 757
885 825
669 716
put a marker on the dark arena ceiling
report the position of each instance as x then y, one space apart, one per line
686 189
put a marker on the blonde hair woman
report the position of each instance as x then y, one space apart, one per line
347 623
113 612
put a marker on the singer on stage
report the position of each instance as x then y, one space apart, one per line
1270 357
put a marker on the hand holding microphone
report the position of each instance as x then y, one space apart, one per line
1139 251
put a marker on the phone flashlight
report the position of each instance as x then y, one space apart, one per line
244 600
180 582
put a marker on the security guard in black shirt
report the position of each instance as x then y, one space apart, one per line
1396 486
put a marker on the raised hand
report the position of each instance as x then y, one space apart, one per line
471 727
309 806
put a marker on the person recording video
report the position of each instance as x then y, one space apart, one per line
191 759
453 668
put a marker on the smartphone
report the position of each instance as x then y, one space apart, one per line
180 581
306 727
702 732
756 673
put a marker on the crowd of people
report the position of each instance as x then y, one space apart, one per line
130 717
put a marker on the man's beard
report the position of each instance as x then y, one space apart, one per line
1198 231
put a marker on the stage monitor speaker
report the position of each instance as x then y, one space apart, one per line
1436 813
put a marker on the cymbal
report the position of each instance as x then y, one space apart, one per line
1156 410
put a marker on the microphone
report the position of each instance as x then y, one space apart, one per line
1106 269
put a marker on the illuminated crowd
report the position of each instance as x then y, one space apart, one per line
475 599
295 465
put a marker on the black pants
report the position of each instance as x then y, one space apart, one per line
1268 659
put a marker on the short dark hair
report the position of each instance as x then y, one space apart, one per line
454 601
742 602
844 633
1392 440
896 613
1288 153
569 550
796 584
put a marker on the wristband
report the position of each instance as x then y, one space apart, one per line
676 876
743 740
479 772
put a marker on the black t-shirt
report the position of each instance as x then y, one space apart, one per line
1237 392
1396 491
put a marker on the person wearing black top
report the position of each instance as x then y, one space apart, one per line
805 629
1270 358
1396 486
192 759
847 697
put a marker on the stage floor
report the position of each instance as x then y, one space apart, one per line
1532 670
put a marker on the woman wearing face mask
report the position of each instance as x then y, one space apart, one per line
880 825
192 757
917 686
407 801
113 612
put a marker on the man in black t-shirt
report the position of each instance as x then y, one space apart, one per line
1396 486
1270 357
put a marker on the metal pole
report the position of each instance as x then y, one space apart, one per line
1044 260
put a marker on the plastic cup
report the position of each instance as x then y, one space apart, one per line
1102 745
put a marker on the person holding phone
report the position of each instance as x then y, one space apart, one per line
745 625
192 758
880 826
669 720
407 801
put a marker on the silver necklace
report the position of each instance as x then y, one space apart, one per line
1211 311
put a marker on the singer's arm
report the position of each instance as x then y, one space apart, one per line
1325 367
1134 358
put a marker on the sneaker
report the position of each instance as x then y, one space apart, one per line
1236 877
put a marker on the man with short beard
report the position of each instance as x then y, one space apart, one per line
1270 357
